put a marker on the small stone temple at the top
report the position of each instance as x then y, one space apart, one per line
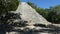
29 14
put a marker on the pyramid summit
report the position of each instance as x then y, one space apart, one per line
29 14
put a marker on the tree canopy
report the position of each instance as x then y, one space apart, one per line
8 5
6 18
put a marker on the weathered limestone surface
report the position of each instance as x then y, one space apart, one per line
29 14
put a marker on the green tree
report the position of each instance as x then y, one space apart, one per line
5 17
54 16
8 5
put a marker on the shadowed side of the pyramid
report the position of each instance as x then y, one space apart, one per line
29 14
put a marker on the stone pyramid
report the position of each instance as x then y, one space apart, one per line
29 14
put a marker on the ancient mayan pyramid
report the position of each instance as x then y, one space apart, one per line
29 14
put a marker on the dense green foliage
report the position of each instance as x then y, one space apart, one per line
8 5
52 14
6 18
5 7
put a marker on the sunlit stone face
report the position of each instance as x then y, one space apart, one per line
29 14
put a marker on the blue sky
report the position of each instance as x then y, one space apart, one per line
44 3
